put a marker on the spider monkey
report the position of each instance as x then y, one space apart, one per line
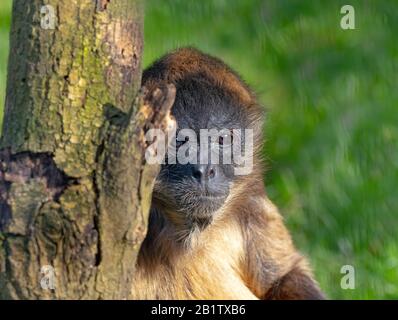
213 234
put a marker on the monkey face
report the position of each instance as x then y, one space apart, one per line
192 192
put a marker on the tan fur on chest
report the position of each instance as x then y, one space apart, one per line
209 270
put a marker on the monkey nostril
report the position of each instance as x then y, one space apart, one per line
197 174
212 173
202 173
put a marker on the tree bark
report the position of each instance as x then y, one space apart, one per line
75 190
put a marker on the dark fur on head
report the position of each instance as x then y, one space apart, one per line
234 242
209 95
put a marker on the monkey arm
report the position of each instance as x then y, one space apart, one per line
297 284
275 270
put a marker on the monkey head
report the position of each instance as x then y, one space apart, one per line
211 104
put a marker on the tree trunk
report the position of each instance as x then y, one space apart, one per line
75 189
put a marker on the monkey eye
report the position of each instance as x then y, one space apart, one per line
226 139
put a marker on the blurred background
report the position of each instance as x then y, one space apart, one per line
332 127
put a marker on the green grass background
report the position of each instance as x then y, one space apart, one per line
332 127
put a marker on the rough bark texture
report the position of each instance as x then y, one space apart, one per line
74 186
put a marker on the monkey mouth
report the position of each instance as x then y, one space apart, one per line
212 198
203 211
195 209
210 203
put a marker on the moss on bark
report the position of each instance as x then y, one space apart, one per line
74 186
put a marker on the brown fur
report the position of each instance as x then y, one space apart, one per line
246 253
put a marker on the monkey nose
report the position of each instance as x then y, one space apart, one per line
203 172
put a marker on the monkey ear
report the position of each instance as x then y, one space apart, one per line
160 97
